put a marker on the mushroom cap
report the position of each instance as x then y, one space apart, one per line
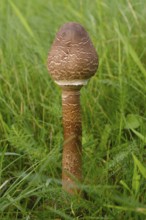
72 57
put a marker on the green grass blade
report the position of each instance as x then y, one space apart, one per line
139 135
142 169
135 179
21 18
132 52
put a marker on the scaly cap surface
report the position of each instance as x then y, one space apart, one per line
72 59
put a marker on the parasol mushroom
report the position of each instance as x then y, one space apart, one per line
72 60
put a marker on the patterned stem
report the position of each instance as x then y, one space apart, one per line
72 149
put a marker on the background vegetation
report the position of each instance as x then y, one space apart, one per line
113 108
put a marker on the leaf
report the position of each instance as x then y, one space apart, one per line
141 168
10 154
125 208
132 121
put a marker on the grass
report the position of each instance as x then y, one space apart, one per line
113 112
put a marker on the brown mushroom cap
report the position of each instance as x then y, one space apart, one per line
72 57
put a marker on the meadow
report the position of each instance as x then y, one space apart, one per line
113 112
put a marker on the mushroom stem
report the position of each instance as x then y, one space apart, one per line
72 149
